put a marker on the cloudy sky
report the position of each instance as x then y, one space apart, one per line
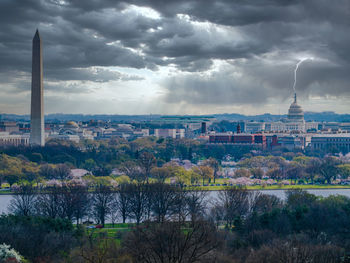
177 56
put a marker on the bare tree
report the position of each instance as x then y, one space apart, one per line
74 201
163 200
122 201
49 202
82 203
195 204
234 202
168 243
102 200
138 198
23 202
295 252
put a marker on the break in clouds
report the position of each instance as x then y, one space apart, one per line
156 55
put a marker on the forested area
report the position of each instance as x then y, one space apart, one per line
153 158
167 224
141 201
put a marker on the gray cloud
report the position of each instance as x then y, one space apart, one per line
260 42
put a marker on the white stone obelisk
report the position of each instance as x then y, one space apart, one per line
37 129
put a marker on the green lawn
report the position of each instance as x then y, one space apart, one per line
112 232
211 187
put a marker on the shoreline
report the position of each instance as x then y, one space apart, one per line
287 187
253 188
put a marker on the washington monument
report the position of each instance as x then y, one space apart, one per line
37 131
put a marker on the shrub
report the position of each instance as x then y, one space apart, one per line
8 254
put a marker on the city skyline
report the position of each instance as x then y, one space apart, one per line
142 57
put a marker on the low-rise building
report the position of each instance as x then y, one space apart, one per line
172 133
65 137
13 139
9 126
326 142
238 139
254 127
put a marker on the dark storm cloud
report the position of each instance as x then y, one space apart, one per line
260 41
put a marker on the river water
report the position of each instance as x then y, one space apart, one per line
5 199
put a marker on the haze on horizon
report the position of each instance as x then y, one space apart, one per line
177 57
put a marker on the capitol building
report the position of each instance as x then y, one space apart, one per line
294 123
295 112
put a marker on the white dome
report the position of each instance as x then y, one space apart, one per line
295 112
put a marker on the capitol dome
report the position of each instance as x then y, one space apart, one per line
72 125
295 112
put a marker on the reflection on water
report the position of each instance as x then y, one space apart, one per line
4 203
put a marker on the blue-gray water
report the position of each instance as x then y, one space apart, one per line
5 199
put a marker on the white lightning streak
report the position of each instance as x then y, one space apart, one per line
296 69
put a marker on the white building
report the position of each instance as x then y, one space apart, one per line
65 137
172 133
254 127
14 139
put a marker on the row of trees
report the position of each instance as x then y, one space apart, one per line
258 228
299 169
177 226
15 169
129 202
113 152
311 169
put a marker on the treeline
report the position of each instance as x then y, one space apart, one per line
172 225
135 202
149 163
112 152
300 169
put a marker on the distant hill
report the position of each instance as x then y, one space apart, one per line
309 116
326 116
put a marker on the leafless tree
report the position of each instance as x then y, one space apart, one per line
195 204
49 202
74 202
234 203
102 200
163 200
23 202
295 252
169 243
138 198
122 201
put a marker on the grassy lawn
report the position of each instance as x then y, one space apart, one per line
214 187
112 232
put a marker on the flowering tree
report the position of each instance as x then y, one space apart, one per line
8 254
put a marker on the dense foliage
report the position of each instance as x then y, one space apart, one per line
173 225
54 161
